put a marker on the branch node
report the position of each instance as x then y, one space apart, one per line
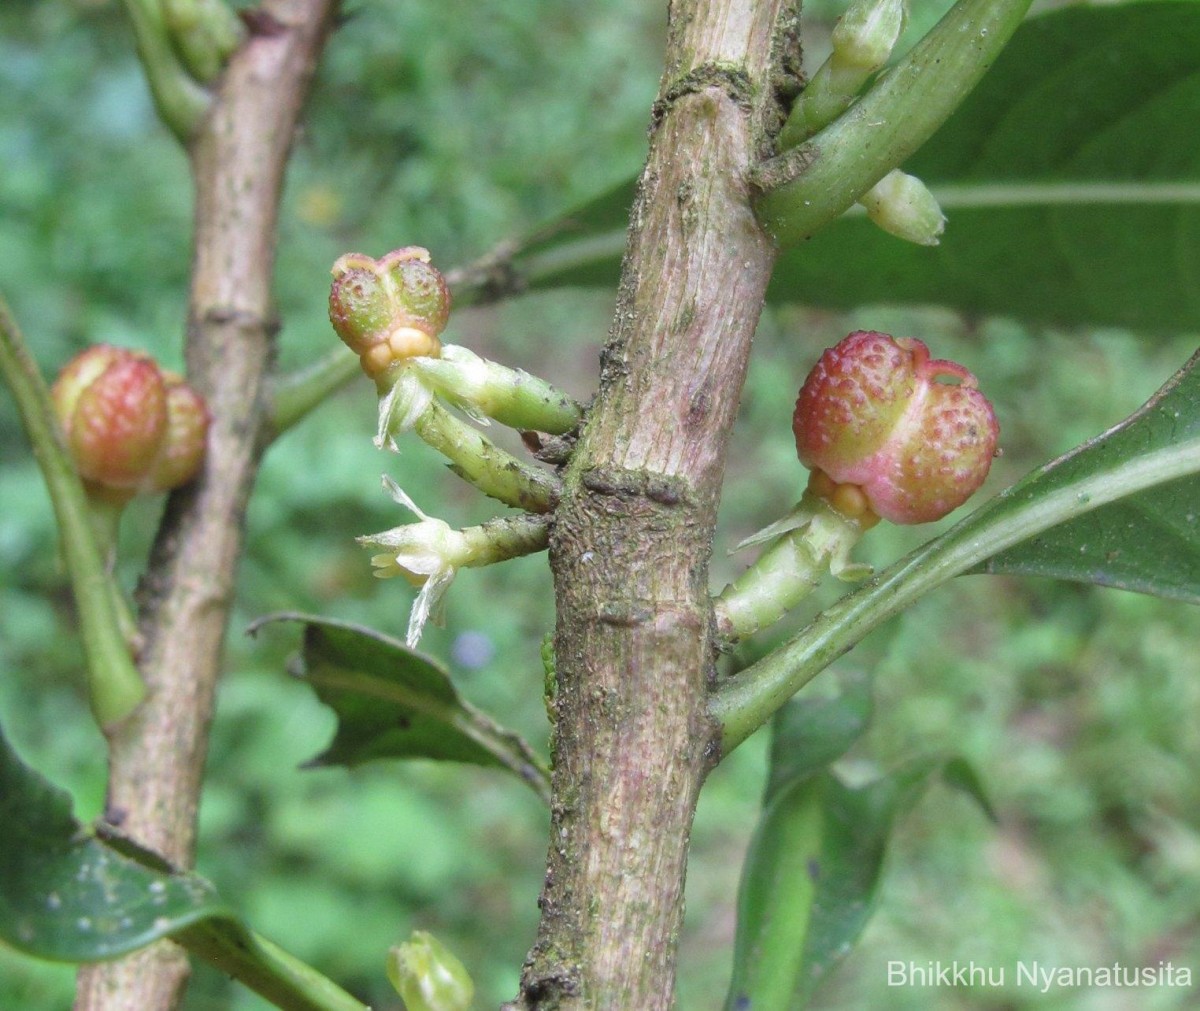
733 81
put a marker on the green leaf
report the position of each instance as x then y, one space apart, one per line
962 775
780 878
858 824
1042 524
1149 541
68 895
775 897
1070 177
393 702
808 734
810 880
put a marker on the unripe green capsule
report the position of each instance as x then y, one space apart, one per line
389 310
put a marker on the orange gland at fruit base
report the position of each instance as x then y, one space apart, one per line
848 499
874 414
389 310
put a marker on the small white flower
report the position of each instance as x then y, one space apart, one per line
428 554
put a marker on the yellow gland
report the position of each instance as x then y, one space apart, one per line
848 499
402 343
389 310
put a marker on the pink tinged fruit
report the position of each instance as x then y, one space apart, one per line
113 407
187 436
873 414
129 426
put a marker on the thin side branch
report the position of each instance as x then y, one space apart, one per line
157 757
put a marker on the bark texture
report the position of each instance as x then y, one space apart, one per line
632 534
157 757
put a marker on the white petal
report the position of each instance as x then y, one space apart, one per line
400 408
400 497
420 561
427 600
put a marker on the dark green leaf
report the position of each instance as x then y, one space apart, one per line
962 775
775 897
858 823
1070 177
808 734
65 895
68 895
809 883
393 702
1149 541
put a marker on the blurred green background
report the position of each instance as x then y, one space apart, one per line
1079 707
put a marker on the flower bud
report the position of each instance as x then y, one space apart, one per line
204 34
866 34
428 976
129 427
873 414
390 309
902 206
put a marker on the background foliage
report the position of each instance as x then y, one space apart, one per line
1076 705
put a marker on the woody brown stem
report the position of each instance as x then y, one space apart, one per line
633 532
156 758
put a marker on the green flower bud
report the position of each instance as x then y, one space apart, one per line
204 33
428 976
484 389
902 205
866 34
862 42
389 310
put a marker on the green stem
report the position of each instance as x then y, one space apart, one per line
746 701
826 96
106 513
180 101
782 576
267 969
476 459
295 395
504 538
116 687
512 397
809 186
815 539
